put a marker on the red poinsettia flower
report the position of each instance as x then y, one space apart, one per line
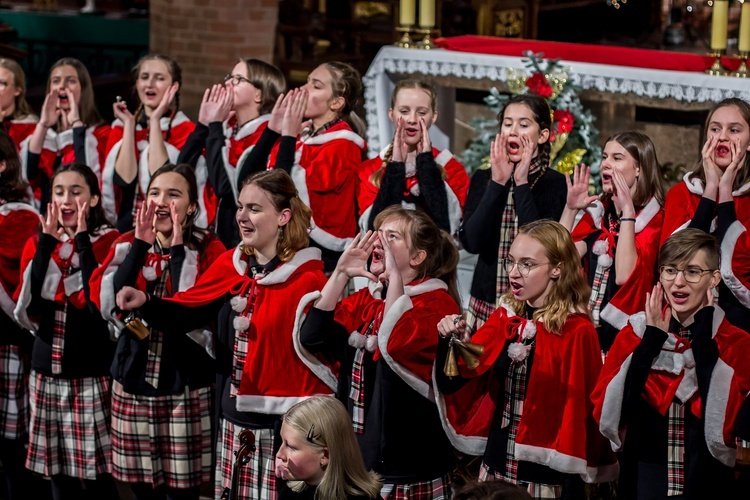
538 84
564 120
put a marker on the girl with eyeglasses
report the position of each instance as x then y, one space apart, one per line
714 198
231 121
673 381
525 407
142 142
518 188
618 233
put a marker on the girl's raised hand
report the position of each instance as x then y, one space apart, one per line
621 194
279 110
353 262
129 298
122 113
50 222
711 171
425 145
521 172
83 213
73 115
502 168
166 101
453 324
726 183
656 314
176 226
400 150
293 123
578 188
390 274
210 110
144 222
50 109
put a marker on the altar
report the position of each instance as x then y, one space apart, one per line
632 77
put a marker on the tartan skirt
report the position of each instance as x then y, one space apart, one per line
162 440
14 392
477 314
69 426
258 477
536 490
436 489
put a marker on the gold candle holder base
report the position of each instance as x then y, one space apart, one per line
426 42
405 42
742 71
717 69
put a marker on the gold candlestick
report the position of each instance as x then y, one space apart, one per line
742 71
426 42
405 42
717 69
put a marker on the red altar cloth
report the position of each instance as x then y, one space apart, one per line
598 54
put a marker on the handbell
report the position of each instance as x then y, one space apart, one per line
137 326
469 352
451 366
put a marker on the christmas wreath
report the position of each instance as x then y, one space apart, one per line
574 137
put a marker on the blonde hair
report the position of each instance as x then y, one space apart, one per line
411 83
441 259
268 79
570 292
280 188
175 71
23 108
346 473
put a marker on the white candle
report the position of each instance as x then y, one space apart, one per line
719 21
744 41
406 12
426 13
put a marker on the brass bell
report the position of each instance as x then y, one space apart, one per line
137 326
469 352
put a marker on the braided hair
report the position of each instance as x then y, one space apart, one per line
346 82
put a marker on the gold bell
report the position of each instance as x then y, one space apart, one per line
137 326
469 352
451 366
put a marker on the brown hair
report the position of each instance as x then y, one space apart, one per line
87 105
683 245
174 71
569 292
280 188
649 183
491 490
743 175
441 259
268 79
411 83
12 186
23 109
347 83
97 218
542 116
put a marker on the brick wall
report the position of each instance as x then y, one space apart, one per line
207 37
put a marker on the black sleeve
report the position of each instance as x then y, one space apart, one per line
705 350
32 165
193 147
177 260
88 263
39 265
525 206
640 366
726 216
486 219
127 272
446 384
257 159
285 158
217 175
432 188
321 333
170 317
742 422
79 144
391 192
703 215
127 201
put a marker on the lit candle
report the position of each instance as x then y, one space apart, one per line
322 6
406 12
426 13
719 21
744 42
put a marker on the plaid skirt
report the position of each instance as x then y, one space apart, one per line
69 426
14 392
258 477
536 490
438 488
477 314
162 440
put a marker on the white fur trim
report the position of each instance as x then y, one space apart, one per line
205 339
638 322
13 206
364 219
695 185
284 271
108 181
250 127
397 310
443 157
715 417
614 316
231 170
429 285
24 299
189 272
332 136
566 463
149 273
728 245
471 445
455 213
6 302
596 210
270 405
73 283
201 179
647 214
609 423
744 188
322 371
107 293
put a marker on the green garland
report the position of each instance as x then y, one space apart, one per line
574 138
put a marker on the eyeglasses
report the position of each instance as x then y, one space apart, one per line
236 79
692 274
524 268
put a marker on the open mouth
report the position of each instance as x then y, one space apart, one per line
680 297
377 255
516 287
67 213
606 178
722 150
411 131
246 230
514 147
150 94
163 214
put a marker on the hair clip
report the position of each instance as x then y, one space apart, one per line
311 436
